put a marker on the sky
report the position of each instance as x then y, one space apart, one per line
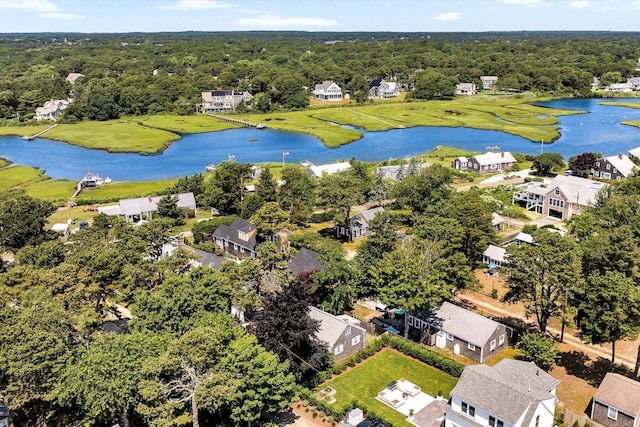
120 16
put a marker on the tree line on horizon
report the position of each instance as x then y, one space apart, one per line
136 74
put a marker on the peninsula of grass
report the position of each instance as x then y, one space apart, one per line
635 105
123 190
20 176
183 124
362 383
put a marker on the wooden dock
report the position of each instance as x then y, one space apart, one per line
32 137
237 121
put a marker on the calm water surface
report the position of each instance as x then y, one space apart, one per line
598 130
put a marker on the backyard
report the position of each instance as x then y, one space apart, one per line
363 382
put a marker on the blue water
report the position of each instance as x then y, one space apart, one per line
599 130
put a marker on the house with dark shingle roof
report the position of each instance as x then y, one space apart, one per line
305 261
617 402
461 331
207 259
342 334
237 239
378 88
512 393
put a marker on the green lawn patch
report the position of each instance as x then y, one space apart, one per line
55 190
22 130
635 105
363 382
20 176
124 190
184 124
116 136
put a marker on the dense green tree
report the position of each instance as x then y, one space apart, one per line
340 191
543 275
168 208
104 383
22 219
544 164
434 85
270 219
421 191
266 187
539 348
297 193
610 309
358 88
225 190
46 255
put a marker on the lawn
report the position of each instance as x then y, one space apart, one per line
20 176
184 124
124 190
363 382
116 136
22 130
56 190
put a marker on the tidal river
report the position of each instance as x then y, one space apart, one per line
599 130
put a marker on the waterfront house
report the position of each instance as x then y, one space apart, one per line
329 169
52 109
618 87
358 224
634 154
465 89
461 331
237 239
342 334
488 82
614 167
396 173
617 402
485 163
327 91
379 88
634 82
133 210
561 197
512 393
222 101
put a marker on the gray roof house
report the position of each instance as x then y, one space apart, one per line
72 77
614 167
52 109
617 402
512 393
488 82
461 331
358 224
143 207
237 239
220 101
327 91
207 259
465 89
493 256
305 261
342 334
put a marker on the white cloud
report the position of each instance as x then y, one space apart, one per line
524 2
580 4
449 16
44 6
194 5
280 21
65 16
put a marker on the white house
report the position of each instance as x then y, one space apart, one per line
327 91
488 82
465 89
379 88
512 393
329 169
52 109
143 207
618 87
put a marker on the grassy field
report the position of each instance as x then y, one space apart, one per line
20 176
635 105
363 382
184 124
22 130
56 190
123 190
117 136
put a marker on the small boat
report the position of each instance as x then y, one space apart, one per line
92 180
210 167
253 140
399 127
261 126
107 180
28 138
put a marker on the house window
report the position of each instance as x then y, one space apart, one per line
556 203
557 192
235 247
468 409
450 337
347 330
597 164
355 340
612 413
241 249
608 167
538 421
493 345
471 347
493 422
501 340
411 320
339 349
605 175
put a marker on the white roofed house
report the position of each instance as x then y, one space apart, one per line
327 91
329 169
465 89
72 77
614 167
494 256
618 87
488 82
634 153
143 207
512 393
52 109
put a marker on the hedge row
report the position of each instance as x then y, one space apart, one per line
423 354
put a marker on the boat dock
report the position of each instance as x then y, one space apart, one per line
237 121
32 137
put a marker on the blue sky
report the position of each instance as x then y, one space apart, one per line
317 15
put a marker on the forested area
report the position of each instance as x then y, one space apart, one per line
135 74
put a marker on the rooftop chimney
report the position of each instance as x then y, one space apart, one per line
502 154
620 156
